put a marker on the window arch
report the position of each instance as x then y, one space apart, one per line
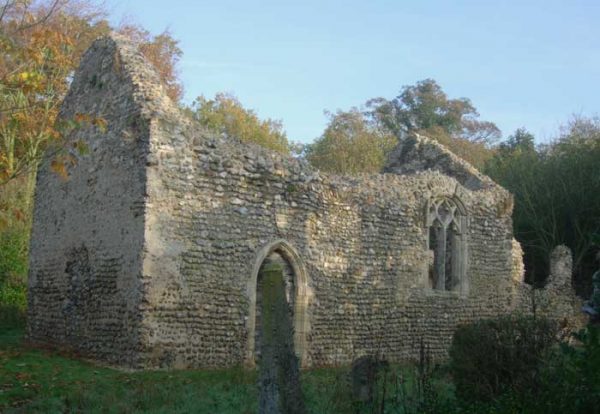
446 224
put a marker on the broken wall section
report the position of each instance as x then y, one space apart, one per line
556 299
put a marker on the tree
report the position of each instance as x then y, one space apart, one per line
356 141
425 108
557 196
42 43
517 165
40 53
225 115
350 144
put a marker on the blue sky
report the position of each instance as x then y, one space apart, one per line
522 63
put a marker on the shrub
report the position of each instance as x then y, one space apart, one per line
571 376
490 357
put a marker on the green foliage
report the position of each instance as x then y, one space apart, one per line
43 381
476 153
557 196
13 254
350 144
15 220
356 141
13 305
569 383
397 390
493 356
571 376
425 106
226 115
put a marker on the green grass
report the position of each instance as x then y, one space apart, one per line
44 381
38 381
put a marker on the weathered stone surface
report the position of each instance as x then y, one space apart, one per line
558 299
417 153
148 255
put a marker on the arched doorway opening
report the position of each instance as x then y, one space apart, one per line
297 294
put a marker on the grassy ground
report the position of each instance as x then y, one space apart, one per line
43 381
37 381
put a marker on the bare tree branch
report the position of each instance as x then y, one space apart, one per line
6 6
22 26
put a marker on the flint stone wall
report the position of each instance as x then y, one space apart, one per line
148 255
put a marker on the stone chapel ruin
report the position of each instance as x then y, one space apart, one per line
148 256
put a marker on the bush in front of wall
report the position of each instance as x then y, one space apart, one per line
493 356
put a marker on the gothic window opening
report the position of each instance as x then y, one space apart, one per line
446 224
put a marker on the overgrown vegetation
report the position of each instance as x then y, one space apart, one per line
45 381
351 144
560 378
507 356
42 43
359 141
15 222
565 379
226 115
557 196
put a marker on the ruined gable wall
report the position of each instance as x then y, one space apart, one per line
88 230
418 153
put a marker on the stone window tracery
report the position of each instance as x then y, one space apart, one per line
446 241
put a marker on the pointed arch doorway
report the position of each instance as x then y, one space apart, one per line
297 294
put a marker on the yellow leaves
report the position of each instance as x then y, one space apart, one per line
101 123
39 54
20 117
52 134
4 175
60 165
28 81
19 215
59 168
163 52
350 145
82 120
